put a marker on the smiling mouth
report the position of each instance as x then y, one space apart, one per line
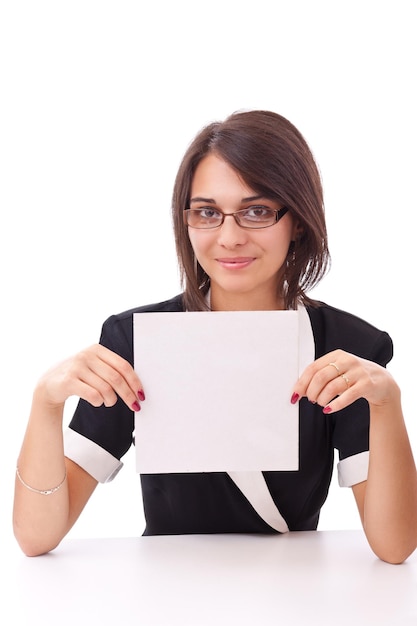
236 262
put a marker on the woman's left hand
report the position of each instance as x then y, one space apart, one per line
338 378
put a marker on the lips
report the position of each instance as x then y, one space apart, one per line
235 262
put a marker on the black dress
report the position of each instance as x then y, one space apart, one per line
97 438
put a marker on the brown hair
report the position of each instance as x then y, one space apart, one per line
273 159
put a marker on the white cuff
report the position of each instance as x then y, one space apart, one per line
95 460
353 469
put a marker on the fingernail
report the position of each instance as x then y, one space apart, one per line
327 409
294 398
136 406
141 395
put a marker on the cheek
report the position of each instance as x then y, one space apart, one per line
200 241
277 244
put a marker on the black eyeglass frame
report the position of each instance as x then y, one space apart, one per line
279 214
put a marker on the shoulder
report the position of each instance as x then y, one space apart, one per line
334 328
171 305
331 316
117 330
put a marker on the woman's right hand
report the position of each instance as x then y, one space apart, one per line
96 375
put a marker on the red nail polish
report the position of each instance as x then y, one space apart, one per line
327 409
136 406
294 398
141 395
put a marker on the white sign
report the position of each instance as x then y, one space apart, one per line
218 388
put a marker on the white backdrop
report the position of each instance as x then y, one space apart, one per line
98 102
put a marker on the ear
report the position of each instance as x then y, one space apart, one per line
297 230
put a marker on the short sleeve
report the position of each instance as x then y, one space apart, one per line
351 426
336 329
98 437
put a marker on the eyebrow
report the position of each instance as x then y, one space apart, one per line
212 201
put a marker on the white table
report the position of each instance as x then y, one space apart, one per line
325 577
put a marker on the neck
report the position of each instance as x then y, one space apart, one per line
226 301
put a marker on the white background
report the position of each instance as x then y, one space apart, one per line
100 99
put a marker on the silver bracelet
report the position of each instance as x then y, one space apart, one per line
43 492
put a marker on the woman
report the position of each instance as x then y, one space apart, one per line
250 235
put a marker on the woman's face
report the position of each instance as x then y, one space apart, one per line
245 266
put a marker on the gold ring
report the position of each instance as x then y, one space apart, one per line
335 366
346 379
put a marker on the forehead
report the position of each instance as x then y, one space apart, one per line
213 176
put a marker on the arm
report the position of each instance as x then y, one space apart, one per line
387 500
41 521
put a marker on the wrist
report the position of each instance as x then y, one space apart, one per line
43 406
389 411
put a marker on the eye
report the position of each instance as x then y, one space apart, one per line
208 213
257 213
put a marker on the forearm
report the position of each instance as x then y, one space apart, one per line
40 521
390 500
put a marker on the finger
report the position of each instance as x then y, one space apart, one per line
91 394
324 379
109 374
120 365
315 379
335 388
97 391
114 380
341 401
347 388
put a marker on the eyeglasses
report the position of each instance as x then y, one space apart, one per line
252 217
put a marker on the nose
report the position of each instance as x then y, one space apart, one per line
230 234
